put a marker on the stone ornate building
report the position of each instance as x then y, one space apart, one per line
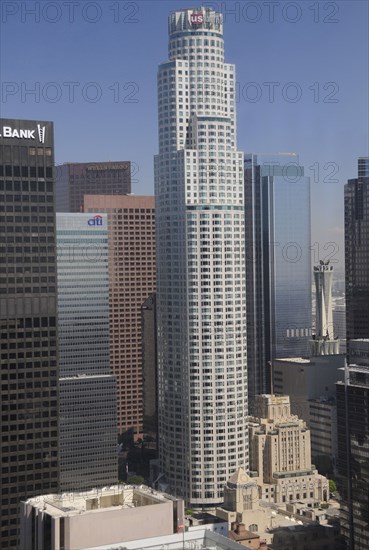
280 454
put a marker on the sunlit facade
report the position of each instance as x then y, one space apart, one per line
202 366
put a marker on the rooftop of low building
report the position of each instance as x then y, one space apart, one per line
98 499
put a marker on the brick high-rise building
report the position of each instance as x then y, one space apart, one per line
131 238
29 370
74 180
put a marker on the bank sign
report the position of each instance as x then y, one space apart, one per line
96 220
197 19
205 20
38 133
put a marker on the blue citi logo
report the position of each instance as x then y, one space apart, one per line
96 220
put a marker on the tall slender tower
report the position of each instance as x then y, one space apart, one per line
202 367
324 341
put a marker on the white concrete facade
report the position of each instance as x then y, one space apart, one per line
202 366
325 342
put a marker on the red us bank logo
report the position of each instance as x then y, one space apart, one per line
197 18
96 220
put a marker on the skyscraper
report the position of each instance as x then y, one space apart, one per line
357 252
88 394
353 446
353 395
202 367
29 371
77 179
278 265
131 242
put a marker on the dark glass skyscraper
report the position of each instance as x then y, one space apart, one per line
357 252
353 396
278 265
29 372
353 446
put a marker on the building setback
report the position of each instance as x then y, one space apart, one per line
278 264
357 252
201 310
87 404
131 238
29 370
77 179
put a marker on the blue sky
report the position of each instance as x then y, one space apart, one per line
316 53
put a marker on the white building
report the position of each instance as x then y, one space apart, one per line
201 314
324 342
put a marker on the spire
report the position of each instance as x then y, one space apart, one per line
324 342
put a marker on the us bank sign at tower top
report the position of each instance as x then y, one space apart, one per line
27 131
196 19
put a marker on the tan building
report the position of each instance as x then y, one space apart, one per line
246 515
242 506
74 521
280 454
131 235
310 383
240 534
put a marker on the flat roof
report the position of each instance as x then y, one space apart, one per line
97 500
293 360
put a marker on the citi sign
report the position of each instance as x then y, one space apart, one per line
197 18
8 132
96 220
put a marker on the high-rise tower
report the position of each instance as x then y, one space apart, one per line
278 264
357 252
353 446
202 367
88 393
131 243
29 370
